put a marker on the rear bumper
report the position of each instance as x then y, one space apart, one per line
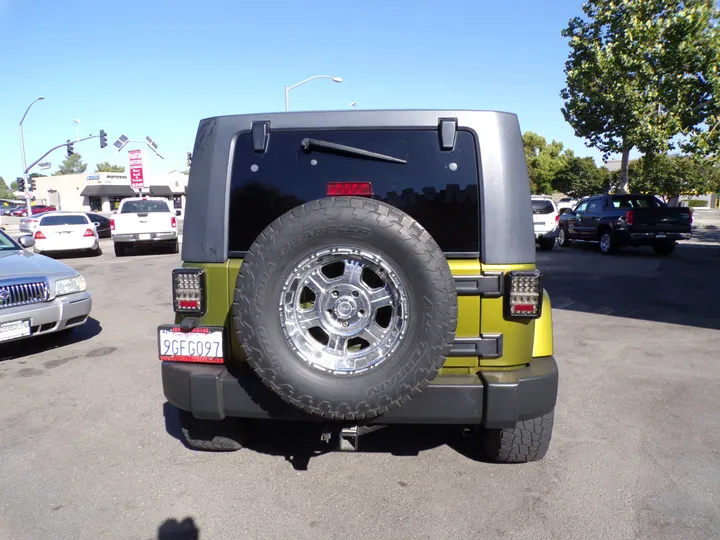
653 237
493 399
553 233
153 237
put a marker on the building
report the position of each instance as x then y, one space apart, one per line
102 192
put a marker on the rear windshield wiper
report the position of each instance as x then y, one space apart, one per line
308 144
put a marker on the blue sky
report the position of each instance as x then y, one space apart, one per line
156 68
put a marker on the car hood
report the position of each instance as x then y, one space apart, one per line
22 263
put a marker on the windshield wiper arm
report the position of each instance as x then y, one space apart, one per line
309 144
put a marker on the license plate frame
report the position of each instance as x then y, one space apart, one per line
24 330
200 345
144 236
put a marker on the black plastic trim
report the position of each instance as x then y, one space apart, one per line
448 255
485 346
494 399
488 285
260 136
448 132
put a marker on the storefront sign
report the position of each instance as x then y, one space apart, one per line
135 157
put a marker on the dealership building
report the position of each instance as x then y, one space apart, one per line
102 192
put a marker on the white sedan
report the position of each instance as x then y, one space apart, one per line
65 231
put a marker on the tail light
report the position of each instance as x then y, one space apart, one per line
524 295
359 189
40 236
89 232
112 224
189 290
557 218
173 222
630 217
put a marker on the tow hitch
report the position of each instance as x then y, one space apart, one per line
348 436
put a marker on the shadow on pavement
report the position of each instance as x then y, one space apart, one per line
299 442
637 283
172 529
56 340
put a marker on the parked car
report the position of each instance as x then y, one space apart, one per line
566 203
8 210
37 209
38 295
28 224
66 231
102 224
545 221
615 221
335 271
144 221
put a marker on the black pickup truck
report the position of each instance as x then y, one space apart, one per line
615 221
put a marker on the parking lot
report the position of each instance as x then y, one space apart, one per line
89 448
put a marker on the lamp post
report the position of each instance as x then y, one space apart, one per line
288 88
22 153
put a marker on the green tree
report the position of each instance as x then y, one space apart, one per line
106 166
5 191
37 175
672 176
71 165
544 161
640 73
581 177
13 185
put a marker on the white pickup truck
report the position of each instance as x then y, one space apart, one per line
143 221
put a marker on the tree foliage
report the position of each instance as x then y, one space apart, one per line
71 165
106 166
672 176
5 191
582 177
642 72
544 161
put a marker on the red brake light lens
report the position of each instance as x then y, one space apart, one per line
630 217
557 218
173 222
112 224
359 189
40 236
89 232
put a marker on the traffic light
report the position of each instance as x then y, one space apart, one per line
189 159
21 184
70 148
103 139
32 184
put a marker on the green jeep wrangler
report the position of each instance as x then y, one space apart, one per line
361 269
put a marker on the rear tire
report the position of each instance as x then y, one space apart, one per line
528 441
664 248
563 239
226 435
546 244
97 252
120 250
175 247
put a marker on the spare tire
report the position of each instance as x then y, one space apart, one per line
345 307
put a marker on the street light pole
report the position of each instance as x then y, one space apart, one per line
22 153
288 88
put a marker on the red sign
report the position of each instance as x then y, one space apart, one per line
137 180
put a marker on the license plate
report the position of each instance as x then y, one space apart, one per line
201 345
539 223
14 330
660 235
144 236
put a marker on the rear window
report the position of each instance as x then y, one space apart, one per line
437 188
63 220
540 206
134 207
634 201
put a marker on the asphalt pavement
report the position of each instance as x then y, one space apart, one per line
89 449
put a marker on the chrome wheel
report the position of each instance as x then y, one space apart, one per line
605 242
344 310
561 236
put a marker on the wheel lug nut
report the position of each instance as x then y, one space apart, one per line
345 323
335 293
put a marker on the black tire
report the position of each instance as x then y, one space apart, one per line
608 244
120 249
546 244
664 248
360 224
563 239
212 435
175 247
528 441
97 252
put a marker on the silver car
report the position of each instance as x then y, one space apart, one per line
38 295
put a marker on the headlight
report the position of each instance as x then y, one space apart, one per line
69 285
